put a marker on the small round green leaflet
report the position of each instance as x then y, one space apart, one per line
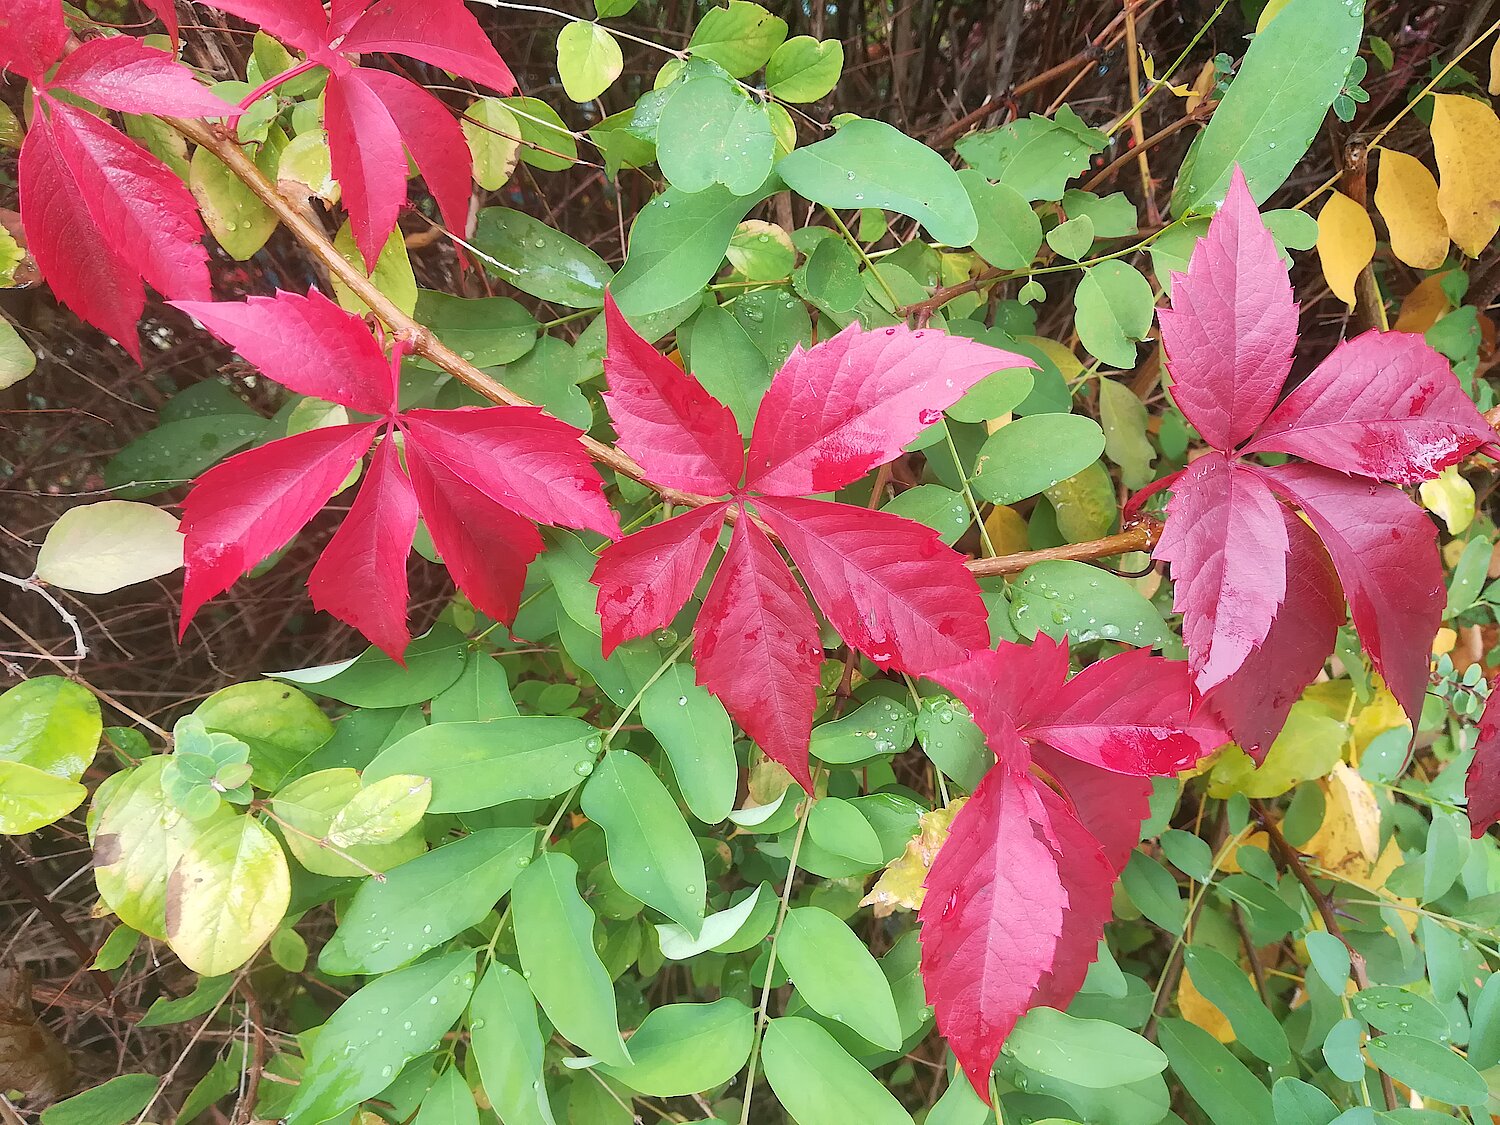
1089 1052
942 509
879 726
685 1048
818 1083
804 69
50 724
1393 1009
1115 308
1299 1103
1330 960
30 798
1431 1069
16 359
539 260
588 60
1073 238
712 133
1123 417
1341 1049
1033 453
838 826
739 37
507 1045
761 251
226 896
836 975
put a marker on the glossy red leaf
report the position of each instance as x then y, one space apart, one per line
1225 539
302 23
32 36
681 435
1482 785
434 139
244 509
441 32
361 576
166 11
307 344
120 72
1384 549
646 578
1112 805
1232 327
367 158
1384 405
854 401
756 648
889 585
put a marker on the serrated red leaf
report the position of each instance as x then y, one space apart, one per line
441 32
367 158
646 578
756 648
32 36
166 11
245 509
1384 549
120 72
1232 327
1112 805
849 403
1482 784
361 576
302 23
681 435
889 585
1384 405
307 344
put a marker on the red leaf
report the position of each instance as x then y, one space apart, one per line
1225 539
166 11
485 546
991 920
1384 405
244 509
441 32
646 578
1232 327
1482 785
361 576
435 141
756 648
367 158
1385 551
122 73
520 458
681 435
1112 805
301 23
32 36
852 402
308 344
889 585
1253 703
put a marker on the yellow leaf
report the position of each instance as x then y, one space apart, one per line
1444 641
1346 243
1466 141
1424 306
1269 13
900 885
1311 744
1058 353
1256 841
1203 85
1006 528
1194 1007
1406 195
1347 843
1376 717
1451 497
1148 68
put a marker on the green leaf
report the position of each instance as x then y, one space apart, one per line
1093 1053
486 331
539 260
1431 1069
310 805
712 133
762 251
728 364
1123 417
555 939
621 147
1033 453
476 765
1188 853
818 1083
226 896
731 930
1296 1102
932 505
279 724
740 37
16 359
1221 1085
547 144
588 60
449 1101
1341 1050
1484 1029
1084 504
30 799
1115 308
1154 892
1034 156
240 223
507 1045
1225 987
830 276
372 679
873 164
804 69
1393 1009
952 740
493 133
392 275
1273 108
381 812
114 1103
836 975
205 997
1073 238
425 901
481 692
1112 216
686 1048
117 949
652 852
1009 231
694 729
837 826
880 726
50 724
1330 960
377 1031
177 451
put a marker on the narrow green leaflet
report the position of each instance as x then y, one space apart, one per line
1222 1086
588 60
1035 156
539 260
113 1103
1431 1069
481 692
1093 1053
942 509
372 679
730 930
546 143
712 133
449 1101
739 37
555 939
880 726
1330 960
652 852
728 364
377 1031
226 896
1115 309
1010 233
952 740
1296 1102
1122 415
30 798
1154 892
117 949
50 724
685 1048
476 765
873 164
818 1083
804 69
836 975
507 1045
694 729
1033 453
392 275
381 812
1225 987
204 997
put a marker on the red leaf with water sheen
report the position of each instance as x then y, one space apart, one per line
1384 405
1482 785
436 143
122 73
852 402
1252 705
246 508
889 585
646 578
1226 542
756 648
1232 327
1384 549
367 158
441 32
1113 805
308 344
32 36
361 576
301 23
681 435
166 11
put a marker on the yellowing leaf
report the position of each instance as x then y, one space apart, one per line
1376 717
1451 497
900 885
1495 68
1006 528
1347 843
1148 68
1346 243
1194 1007
1466 141
1424 306
1058 353
97 548
1203 85
226 896
1256 841
1269 13
1444 641
1406 195
1310 745
381 812
30 798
